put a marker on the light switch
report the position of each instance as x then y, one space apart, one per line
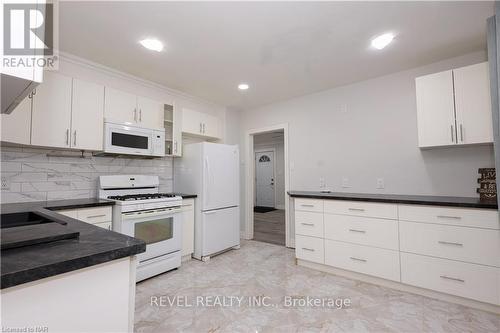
380 183
345 182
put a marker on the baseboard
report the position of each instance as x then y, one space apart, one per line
402 287
282 207
243 235
187 257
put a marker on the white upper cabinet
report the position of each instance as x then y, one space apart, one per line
16 126
125 108
199 124
150 113
87 115
120 106
473 104
454 107
51 112
435 110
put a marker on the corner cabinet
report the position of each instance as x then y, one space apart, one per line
200 124
454 107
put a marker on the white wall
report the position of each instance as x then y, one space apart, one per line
375 138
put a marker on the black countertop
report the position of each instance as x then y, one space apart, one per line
466 202
94 246
186 196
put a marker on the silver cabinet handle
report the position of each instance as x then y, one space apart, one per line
358 259
450 243
95 216
307 249
307 205
140 114
451 278
448 217
356 209
135 114
209 213
359 231
67 137
74 138
308 224
201 128
33 93
175 147
452 134
461 133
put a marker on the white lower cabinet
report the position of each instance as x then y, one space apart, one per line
363 259
362 230
310 249
449 250
98 216
187 227
473 281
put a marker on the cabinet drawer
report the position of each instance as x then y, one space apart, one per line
360 208
95 214
362 230
105 225
473 281
309 224
480 246
480 218
309 248
73 213
363 259
309 205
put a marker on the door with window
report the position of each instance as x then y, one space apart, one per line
264 179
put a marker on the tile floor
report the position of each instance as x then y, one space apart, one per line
270 227
260 269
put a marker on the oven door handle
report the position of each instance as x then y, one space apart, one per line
149 214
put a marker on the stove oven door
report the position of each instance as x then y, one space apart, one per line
161 229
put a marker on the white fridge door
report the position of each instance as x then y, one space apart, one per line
221 230
221 178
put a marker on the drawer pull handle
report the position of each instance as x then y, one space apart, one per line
307 205
307 249
358 259
450 243
95 216
451 278
449 217
356 209
358 231
308 224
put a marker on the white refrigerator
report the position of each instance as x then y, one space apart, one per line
211 171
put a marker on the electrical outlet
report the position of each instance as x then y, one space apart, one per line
380 183
322 182
343 108
345 182
5 183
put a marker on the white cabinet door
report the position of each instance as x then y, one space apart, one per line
16 126
120 107
210 126
473 104
187 227
87 115
177 131
51 116
150 113
435 110
191 122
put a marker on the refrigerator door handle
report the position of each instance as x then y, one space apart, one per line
207 182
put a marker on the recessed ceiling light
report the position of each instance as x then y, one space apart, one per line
382 41
243 86
152 44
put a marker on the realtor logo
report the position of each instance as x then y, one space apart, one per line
28 29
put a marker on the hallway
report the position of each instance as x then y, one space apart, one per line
270 227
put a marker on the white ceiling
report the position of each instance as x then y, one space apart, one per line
281 49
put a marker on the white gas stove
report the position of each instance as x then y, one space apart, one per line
142 212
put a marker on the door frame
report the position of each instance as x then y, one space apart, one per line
262 150
250 181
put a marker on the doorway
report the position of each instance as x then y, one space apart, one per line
269 191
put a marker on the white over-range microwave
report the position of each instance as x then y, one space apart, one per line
130 140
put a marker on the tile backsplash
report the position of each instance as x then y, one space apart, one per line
33 174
